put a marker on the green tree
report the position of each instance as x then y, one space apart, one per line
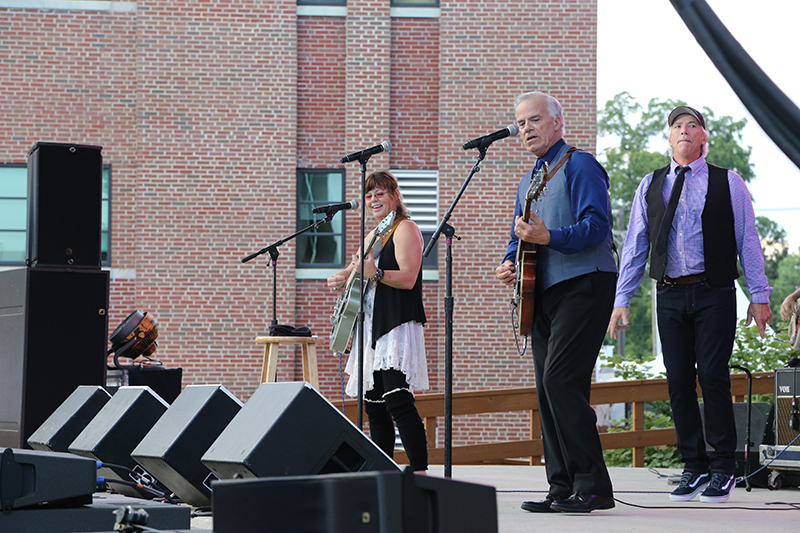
631 158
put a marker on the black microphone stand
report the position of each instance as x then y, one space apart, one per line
748 443
449 233
360 317
273 254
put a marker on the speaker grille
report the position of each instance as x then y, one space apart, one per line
787 383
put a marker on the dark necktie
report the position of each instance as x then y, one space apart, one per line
666 222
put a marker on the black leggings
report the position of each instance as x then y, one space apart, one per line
391 400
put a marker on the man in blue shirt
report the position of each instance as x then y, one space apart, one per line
695 219
572 301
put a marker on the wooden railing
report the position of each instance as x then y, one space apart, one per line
635 392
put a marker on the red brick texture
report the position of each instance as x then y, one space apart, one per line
206 110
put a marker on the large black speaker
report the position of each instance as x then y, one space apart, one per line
53 338
290 429
30 477
171 451
366 502
65 191
71 417
117 429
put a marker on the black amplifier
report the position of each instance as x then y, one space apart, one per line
787 409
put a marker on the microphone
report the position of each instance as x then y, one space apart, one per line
335 208
385 146
509 131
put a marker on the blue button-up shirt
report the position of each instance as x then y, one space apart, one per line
685 243
587 183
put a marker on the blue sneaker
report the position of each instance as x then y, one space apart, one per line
692 484
719 489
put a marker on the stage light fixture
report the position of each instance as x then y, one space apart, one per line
135 338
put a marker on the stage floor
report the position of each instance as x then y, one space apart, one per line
643 504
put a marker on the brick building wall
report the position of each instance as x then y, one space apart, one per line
206 110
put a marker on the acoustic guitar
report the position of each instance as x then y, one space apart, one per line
345 311
526 260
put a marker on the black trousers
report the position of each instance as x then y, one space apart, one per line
570 321
697 325
391 402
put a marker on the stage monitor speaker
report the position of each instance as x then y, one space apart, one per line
65 192
71 417
787 406
761 420
117 429
29 477
171 451
53 339
368 502
290 429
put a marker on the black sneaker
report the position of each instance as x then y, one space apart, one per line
692 484
719 490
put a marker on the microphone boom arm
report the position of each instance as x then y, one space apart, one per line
274 246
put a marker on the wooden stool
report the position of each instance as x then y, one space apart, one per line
269 369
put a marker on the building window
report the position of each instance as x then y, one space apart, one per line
415 3
322 247
14 215
420 190
321 2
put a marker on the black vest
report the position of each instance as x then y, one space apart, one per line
395 306
719 236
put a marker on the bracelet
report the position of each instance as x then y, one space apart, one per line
378 275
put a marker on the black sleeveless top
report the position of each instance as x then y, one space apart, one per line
395 306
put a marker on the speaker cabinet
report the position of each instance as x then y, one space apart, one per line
65 192
117 429
53 338
71 417
290 429
31 477
761 420
375 502
171 451
787 405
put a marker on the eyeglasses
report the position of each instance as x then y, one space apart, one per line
377 195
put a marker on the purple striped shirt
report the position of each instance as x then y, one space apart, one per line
685 243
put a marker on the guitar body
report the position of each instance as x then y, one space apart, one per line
524 289
345 312
794 328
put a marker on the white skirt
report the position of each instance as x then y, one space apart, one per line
403 349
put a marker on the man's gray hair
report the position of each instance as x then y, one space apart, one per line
553 105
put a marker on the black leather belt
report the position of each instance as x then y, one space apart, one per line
685 280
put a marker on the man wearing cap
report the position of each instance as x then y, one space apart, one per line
694 220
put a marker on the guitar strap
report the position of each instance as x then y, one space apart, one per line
551 173
376 250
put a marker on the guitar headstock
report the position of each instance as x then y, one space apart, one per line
538 183
385 224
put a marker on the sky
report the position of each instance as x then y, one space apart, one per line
644 44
